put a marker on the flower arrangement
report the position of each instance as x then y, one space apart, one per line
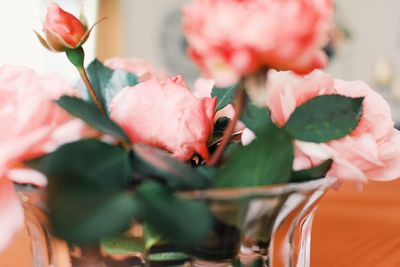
139 142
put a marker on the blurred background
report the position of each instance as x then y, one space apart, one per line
365 44
351 228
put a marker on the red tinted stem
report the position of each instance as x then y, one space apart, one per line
238 106
91 91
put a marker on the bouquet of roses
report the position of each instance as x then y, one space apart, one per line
137 143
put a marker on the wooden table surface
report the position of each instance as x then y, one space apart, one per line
358 229
351 229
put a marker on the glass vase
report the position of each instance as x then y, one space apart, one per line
263 226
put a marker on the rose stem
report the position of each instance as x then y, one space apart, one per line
238 105
77 57
91 91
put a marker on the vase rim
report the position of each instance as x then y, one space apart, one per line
238 194
231 194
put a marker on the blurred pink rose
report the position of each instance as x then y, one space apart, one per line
371 151
62 30
231 38
166 115
143 69
32 124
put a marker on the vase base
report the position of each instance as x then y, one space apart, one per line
204 263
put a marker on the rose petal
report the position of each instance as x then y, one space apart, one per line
167 115
64 24
11 213
27 176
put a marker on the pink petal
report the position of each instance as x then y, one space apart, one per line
27 176
166 115
203 87
11 213
64 24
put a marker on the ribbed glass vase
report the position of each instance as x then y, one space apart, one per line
263 226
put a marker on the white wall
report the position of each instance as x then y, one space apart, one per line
375 26
152 32
19 45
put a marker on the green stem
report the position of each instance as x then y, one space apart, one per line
77 57
238 105
91 91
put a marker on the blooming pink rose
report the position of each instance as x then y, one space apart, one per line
371 151
141 68
232 38
62 30
32 124
286 91
166 115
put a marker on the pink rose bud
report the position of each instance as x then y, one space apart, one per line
62 30
166 115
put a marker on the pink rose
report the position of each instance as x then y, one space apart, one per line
62 30
141 68
371 151
166 115
232 38
32 124
286 91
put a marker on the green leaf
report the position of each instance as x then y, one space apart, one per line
255 117
237 263
82 218
153 162
122 244
220 126
325 118
168 256
108 82
258 263
180 221
224 96
90 114
219 129
207 171
313 173
90 162
267 160
231 148
85 190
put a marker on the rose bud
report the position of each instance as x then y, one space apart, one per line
62 30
